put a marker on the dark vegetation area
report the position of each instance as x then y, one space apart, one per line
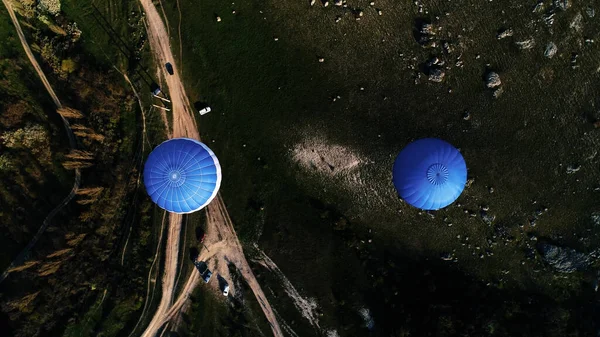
357 246
87 275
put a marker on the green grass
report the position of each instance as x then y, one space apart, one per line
520 144
85 326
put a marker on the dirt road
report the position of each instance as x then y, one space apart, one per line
22 255
223 246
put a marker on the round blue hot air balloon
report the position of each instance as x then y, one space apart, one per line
429 173
182 175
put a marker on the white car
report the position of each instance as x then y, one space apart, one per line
205 110
226 290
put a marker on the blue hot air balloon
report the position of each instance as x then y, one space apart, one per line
182 175
429 173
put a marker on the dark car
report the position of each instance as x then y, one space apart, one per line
169 68
204 271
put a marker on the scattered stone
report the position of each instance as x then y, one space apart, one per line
372 3
447 47
574 57
218 19
596 219
359 13
312 2
562 4
338 19
446 257
588 40
379 12
466 115
551 50
504 33
590 12
487 218
573 168
275 38
436 75
564 260
576 23
525 44
325 3
337 3
491 189
493 80
470 181
498 92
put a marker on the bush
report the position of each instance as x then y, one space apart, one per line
50 6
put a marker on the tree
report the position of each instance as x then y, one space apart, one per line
91 193
69 113
80 155
68 66
71 165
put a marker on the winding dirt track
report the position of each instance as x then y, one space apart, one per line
23 254
222 244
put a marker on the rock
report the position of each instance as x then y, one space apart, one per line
447 48
337 2
379 12
551 50
562 4
372 3
470 181
427 29
564 260
596 219
321 59
325 3
446 257
436 75
574 57
504 33
525 44
576 23
487 218
218 19
573 168
312 2
590 12
466 115
498 92
492 80
338 19
275 38
549 18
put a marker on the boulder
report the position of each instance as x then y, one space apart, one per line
564 260
436 75
492 80
551 50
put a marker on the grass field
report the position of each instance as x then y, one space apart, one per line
259 68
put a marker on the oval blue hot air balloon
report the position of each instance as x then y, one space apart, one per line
429 173
182 175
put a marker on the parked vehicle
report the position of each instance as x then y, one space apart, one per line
226 290
155 89
204 271
169 67
205 110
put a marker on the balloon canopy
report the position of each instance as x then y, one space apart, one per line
182 175
429 173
